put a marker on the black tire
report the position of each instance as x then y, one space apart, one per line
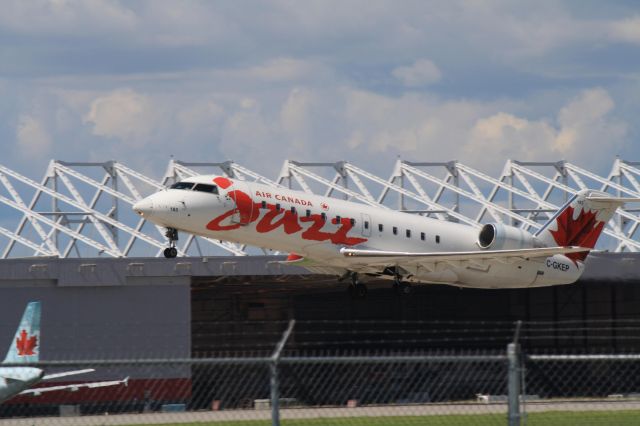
167 253
402 289
173 252
361 291
352 291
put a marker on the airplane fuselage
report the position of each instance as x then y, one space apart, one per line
14 380
316 227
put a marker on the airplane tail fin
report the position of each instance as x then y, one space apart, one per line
25 347
580 221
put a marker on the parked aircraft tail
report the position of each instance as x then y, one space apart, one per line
25 347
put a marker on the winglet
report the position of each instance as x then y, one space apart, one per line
25 346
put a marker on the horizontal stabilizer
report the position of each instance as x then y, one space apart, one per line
67 373
613 200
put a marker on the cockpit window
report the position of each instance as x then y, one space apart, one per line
182 185
203 187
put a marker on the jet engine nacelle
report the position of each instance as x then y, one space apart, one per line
497 236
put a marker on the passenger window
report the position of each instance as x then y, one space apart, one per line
408 233
277 207
323 216
380 227
293 209
308 213
422 236
366 224
264 204
352 221
395 230
337 219
202 187
437 239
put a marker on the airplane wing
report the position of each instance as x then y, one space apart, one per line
68 373
311 265
75 387
382 257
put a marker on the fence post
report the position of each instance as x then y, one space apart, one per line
513 354
513 383
273 369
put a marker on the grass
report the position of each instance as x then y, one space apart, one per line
551 418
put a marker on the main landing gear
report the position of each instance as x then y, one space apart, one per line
401 288
171 251
357 290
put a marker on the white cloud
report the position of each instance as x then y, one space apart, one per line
584 128
416 125
281 69
201 115
423 72
626 30
33 139
295 116
494 139
66 17
123 114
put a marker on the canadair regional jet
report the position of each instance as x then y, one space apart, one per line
359 241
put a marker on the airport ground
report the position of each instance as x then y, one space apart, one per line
541 413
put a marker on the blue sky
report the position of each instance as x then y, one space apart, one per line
366 81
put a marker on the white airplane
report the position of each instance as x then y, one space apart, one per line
359 241
25 349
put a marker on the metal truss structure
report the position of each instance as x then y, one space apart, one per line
84 209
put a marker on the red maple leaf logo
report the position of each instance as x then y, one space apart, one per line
582 231
26 345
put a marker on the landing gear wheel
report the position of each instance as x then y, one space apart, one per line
361 291
401 289
171 251
357 290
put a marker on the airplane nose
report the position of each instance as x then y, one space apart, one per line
144 207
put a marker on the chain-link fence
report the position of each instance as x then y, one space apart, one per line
512 385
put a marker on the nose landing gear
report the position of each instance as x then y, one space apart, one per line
171 251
